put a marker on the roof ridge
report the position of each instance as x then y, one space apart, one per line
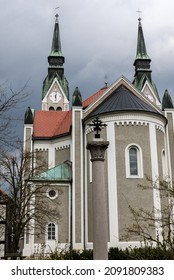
92 98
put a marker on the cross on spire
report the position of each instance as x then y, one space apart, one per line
97 124
57 15
139 13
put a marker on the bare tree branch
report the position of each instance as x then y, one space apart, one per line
28 202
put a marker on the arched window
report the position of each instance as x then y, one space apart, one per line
51 108
134 162
164 165
59 109
51 231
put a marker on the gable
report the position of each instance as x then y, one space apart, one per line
148 92
121 96
55 87
122 99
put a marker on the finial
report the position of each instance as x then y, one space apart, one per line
106 80
57 15
139 12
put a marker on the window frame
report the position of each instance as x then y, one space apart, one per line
52 189
139 161
51 234
164 165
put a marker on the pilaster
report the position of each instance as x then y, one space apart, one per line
155 178
77 184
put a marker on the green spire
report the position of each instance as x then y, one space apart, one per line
56 61
56 43
28 116
141 47
77 98
142 63
167 100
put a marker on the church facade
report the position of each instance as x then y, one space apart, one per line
140 133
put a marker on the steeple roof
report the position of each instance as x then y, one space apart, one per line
77 98
56 43
142 64
56 61
141 47
167 101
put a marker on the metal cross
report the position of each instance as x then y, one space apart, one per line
57 15
97 124
139 12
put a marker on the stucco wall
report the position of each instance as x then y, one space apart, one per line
61 204
128 192
61 155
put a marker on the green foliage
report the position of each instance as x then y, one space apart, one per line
71 255
142 253
146 252
118 254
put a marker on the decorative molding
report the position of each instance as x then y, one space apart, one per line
132 123
63 147
41 149
130 119
160 128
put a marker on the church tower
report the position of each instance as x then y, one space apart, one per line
55 91
143 78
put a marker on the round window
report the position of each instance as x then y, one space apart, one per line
52 193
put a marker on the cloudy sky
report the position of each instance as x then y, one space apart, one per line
98 38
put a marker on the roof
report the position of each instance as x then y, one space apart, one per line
93 97
123 99
61 172
56 43
141 47
48 124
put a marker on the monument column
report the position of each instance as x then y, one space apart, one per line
97 149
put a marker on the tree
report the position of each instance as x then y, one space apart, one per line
155 227
9 101
16 174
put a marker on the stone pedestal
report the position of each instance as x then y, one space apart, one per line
100 224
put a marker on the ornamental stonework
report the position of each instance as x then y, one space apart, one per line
97 149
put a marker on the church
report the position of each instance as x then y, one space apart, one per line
139 128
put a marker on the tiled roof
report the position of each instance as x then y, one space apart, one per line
48 124
123 100
93 97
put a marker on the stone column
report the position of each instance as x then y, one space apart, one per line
100 224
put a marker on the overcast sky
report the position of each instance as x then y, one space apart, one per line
98 38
